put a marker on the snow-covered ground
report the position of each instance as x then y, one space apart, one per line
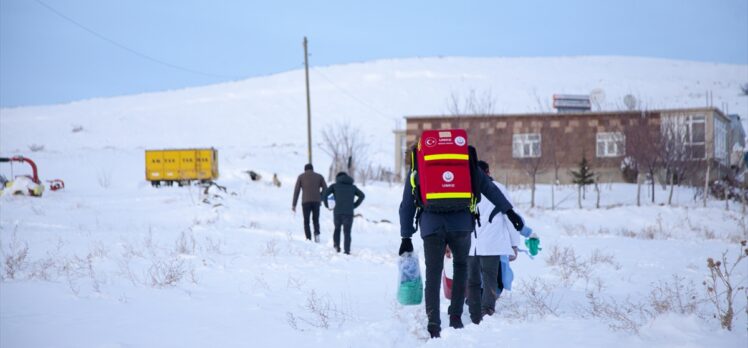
113 262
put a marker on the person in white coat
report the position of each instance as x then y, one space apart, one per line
490 243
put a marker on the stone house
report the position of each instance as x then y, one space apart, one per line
551 145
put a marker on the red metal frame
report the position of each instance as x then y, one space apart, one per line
35 177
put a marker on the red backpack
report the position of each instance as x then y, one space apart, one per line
444 172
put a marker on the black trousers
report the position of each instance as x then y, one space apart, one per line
346 221
313 209
484 280
433 249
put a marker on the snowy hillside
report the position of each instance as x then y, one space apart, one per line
373 95
113 262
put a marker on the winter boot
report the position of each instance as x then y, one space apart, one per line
337 248
455 321
434 331
316 238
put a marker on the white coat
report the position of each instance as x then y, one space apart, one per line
496 238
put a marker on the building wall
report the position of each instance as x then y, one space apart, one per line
565 139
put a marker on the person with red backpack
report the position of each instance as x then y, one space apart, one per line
442 194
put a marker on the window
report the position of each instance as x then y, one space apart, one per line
696 136
610 144
720 140
690 130
526 145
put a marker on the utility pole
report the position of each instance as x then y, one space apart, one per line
308 104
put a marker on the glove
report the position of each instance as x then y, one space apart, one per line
406 246
527 232
516 220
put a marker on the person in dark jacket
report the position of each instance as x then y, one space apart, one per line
312 184
344 192
439 230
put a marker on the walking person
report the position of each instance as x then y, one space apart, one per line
344 192
448 227
313 184
493 246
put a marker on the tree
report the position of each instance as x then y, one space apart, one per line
643 144
583 177
558 143
472 104
675 157
347 148
533 166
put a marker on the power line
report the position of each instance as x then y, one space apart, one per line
349 94
128 49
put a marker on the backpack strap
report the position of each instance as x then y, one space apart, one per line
415 187
474 184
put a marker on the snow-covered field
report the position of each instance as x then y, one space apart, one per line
113 262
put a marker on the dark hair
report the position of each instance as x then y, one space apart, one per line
308 166
341 173
483 166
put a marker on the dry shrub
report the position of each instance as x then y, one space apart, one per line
320 313
677 296
530 299
626 316
166 273
14 258
722 288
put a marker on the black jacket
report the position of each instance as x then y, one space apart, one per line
344 191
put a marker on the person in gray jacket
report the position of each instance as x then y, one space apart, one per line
312 184
344 192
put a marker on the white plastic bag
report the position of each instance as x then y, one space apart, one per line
410 283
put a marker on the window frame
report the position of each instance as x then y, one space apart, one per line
522 142
618 139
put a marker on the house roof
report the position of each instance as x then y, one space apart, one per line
567 114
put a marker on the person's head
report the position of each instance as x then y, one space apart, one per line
484 167
341 174
308 166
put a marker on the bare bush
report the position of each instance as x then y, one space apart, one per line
14 258
76 269
540 297
77 128
36 148
599 257
570 266
626 316
675 297
261 283
320 312
722 288
167 273
529 300
377 173
104 178
271 248
43 269
185 244
295 283
213 246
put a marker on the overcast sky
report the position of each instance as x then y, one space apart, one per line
55 51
